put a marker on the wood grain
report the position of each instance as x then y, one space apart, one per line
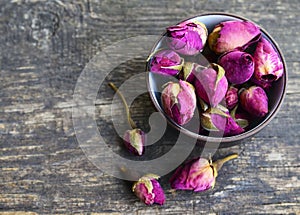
44 48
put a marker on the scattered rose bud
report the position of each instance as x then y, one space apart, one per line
198 174
211 84
268 65
134 141
148 190
231 35
179 101
187 38
231 97
238 66
215 119
255 101
166 62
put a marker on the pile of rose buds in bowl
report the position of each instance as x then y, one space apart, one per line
231 91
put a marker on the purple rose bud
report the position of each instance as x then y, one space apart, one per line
268 65
232 127
238 66
230 35
255 101
215 119
148 190
231 97
197 174
134 140
187 38
179 101
211 84
166 62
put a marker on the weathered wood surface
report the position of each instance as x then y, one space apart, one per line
44 47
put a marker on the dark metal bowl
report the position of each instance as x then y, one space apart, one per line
275 94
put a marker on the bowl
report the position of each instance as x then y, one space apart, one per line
275 94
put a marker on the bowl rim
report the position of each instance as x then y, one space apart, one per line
243 135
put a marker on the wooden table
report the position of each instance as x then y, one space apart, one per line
45 45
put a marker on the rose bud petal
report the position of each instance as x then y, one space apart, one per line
179 101
238 66
255 101
230 35
211 84
231 97
215 119
166 62
148 190
268 65
134 140
187 38
197 174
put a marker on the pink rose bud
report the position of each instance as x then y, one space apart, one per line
187 38
179 101
134 140
211 84
231 97
215 119
189 71
268 65
231 35
255 101
238 66
198 174
148 190
166 62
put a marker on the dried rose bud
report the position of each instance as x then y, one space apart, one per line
238 66
215 119
179 101
187 38
231 97
255 101
134 141
268 65
166 62
211 84
148 190
198 174
189 71
230 35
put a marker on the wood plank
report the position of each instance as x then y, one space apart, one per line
45 45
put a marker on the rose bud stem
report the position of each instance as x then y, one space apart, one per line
219 163
130 121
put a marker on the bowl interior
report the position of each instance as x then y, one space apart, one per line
275 93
